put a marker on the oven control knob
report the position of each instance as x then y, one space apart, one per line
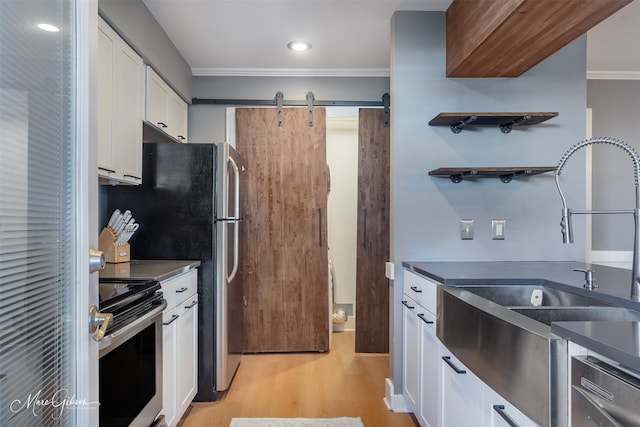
96 260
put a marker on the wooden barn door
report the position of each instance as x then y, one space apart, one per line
285 232
372 288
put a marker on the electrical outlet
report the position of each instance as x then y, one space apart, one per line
466 229
497 229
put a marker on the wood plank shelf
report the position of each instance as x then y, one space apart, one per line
506 121
506 174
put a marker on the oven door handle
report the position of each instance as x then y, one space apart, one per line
113 340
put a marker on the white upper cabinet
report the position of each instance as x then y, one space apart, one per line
121 90
165 109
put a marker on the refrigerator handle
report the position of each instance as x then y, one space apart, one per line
236 228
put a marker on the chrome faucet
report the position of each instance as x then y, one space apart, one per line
566 225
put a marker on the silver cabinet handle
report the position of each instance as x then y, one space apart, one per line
106 170
194 303
162 125
424 319
501 411
173 319
447 360
416 290
181 290
406 304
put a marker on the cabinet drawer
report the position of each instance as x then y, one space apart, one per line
421 289
179 288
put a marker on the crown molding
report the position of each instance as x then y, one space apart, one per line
290 72
613 75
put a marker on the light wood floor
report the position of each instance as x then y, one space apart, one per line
339 383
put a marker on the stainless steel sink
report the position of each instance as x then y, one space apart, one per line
497 332
532 295
557 314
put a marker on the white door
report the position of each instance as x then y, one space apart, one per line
48 213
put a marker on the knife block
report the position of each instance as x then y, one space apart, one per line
113 253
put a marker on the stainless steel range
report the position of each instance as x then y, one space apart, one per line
131 354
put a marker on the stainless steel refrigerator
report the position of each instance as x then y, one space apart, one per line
189 207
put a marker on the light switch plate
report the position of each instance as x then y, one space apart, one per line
466 229
389 270
497 229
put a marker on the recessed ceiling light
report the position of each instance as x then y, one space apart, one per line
48 27
299 46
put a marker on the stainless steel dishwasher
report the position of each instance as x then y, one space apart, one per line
603 395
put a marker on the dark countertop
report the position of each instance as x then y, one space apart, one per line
619 341
148 269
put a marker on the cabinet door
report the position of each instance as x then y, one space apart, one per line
107 40
411 350
169 364
178 118
187 365
158 93
462 393
429 367
500 413
120 108
128 113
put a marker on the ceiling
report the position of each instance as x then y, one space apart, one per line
349 37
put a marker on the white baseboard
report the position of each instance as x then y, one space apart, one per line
620 259
394 402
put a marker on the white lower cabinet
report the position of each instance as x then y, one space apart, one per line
429 371
169 371
179 345
438 388
421 354
411 336
500 413
187 385
461 391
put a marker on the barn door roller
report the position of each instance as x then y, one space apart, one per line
385 102
310 99
279 103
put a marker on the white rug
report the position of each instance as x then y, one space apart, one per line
296 422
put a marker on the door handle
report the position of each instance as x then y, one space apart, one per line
406 304
236 229
500 409
424 319
98 322
447 360
96 260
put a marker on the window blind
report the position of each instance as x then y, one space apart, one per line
36 213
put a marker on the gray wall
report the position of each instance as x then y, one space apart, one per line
207 122
615 104
133 21
425 210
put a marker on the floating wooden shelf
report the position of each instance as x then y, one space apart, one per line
506 174
506 121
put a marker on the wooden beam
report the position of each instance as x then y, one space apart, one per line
506 38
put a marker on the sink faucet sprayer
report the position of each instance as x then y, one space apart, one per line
565 224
